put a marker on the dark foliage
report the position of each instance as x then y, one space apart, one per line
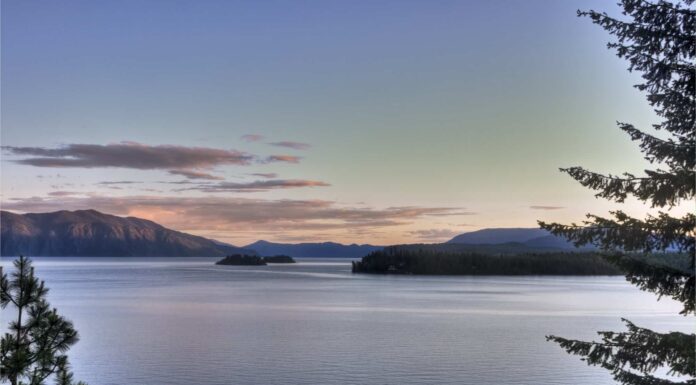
429 260
659 40
279 259
242 260
34 347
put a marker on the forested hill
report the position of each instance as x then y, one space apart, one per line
463 260
92 233
530 237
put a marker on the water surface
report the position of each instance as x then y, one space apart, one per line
187 321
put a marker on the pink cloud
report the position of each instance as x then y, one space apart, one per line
256 186
283 158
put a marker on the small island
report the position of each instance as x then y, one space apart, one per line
253 260
242 260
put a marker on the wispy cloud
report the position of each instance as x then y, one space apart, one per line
283 158
546 207
61 193
192 163
293 145
185 181
256 186
190 174
117 182
252 137
129 155
267 175
239 215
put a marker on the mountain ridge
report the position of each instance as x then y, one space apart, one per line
313 249
92 233
529 237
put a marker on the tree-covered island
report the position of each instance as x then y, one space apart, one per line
253 260
435 260
279 259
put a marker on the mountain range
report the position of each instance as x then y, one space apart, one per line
312 250
529 237
92 233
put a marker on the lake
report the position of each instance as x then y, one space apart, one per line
186 321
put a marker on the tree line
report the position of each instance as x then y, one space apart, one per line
425 260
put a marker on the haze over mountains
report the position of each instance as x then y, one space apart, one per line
92 233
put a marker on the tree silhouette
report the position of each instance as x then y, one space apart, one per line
659 40
34 348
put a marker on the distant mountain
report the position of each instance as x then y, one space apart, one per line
509 248
533 238
495 236
312 250
91 233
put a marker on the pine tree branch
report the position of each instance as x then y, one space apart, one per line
658 187
664 4
676 155
642 350
667 275
623 233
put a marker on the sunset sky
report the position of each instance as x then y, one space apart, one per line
352 121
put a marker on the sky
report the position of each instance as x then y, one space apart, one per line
299 121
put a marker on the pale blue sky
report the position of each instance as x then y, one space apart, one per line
467 105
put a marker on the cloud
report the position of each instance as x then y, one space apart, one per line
129 155
268 175
108 183
252 137
434 235
240 217
193 163
546 207
186 181
256 186
283 158
293 145
190 174
61 193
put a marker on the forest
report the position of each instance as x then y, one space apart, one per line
427 260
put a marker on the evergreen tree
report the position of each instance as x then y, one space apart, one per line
659 40
34 347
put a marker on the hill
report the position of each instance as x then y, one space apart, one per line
92 233
312 250
502 235
456 260
530 237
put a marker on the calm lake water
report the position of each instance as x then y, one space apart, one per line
187 321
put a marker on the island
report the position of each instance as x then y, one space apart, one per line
433 260
253 260
242 260
279 259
